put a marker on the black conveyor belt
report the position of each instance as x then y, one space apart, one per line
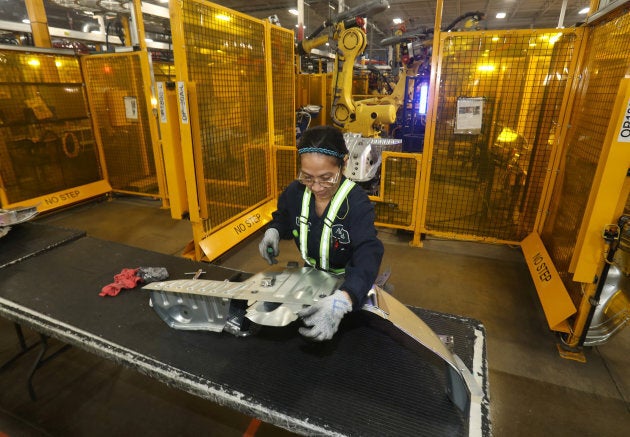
364 382
29 239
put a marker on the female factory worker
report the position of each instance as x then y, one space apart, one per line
332 222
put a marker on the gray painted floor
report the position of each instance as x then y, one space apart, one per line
533 392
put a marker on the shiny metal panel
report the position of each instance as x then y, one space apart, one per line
302 286
612 312
190 311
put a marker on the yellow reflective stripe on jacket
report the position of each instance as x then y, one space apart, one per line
306 200
335 205
324 244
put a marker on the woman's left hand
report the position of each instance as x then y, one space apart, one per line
323 318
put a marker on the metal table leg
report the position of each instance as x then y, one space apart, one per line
41 360
24 348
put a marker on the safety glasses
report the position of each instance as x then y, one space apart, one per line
309 181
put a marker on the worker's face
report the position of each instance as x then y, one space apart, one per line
319 167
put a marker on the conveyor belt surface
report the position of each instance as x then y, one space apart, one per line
29 239
367 381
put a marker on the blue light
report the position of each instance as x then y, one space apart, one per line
424 97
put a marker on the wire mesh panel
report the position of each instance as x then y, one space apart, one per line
46 139
164 71
499 97
396 205
312 90
225 59
286 164
283 84
606 62
117 93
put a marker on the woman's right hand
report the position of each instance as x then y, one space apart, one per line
268 247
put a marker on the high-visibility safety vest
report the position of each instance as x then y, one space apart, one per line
324 243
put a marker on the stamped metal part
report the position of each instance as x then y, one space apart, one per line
273 298
365 155
301 286
462 389
191 311
15 216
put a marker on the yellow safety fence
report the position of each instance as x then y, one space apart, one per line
236 96
517 142
49 156
498 97
120 94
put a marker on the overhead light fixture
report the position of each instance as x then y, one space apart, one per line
501 15
584 11
293 11
397 20
26 21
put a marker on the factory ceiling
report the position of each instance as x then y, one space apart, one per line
416 15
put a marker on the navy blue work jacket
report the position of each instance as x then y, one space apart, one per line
354 244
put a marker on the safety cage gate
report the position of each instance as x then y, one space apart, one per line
491 141
235 84
49 156
591 188
122 102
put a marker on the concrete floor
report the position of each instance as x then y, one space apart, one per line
533 392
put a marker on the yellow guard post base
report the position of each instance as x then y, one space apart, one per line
576 355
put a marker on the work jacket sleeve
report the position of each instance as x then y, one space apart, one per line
367 250
284 216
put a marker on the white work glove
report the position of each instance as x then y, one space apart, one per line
268 247
322 318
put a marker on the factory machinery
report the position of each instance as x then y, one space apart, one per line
504 171
403 114
381 123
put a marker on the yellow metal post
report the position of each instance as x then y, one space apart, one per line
427 153
271 163
182 104
139 24
39 23
125 24
607 184
172 149
158 158
590 251
561 131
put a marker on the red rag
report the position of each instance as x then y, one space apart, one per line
125 279
128 278
111 290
